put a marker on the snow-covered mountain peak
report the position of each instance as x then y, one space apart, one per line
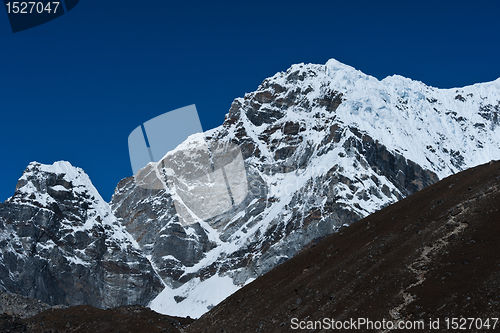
63 188
402 113
57 232
333 73
34 182
193 142
334 64
62 244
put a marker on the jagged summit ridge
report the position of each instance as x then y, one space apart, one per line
403 114
33 189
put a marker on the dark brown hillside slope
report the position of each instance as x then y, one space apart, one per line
433 255
87 319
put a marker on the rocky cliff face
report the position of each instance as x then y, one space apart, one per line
323 146
61 244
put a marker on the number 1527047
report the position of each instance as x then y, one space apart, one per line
32 7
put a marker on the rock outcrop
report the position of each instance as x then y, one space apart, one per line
61 244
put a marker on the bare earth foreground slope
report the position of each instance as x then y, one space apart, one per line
430 256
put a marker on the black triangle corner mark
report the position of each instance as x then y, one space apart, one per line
70 4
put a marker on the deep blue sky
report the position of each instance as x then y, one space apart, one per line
74 88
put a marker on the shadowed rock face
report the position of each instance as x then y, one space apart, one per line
431 255
149 215
62 245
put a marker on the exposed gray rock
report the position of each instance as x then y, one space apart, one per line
62 245
21 306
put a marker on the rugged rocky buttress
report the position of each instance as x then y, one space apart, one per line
61 244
